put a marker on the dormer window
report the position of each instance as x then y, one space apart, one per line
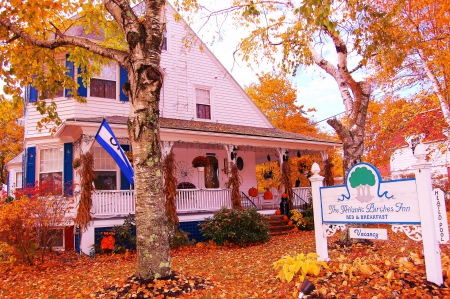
203 100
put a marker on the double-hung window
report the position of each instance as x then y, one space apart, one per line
104 85
203 101
50 170
106 169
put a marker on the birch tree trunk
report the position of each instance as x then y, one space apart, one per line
143 31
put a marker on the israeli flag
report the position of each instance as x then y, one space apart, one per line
105 137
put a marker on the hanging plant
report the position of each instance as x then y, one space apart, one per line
200 161
268 175
76 163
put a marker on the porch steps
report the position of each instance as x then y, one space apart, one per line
279 226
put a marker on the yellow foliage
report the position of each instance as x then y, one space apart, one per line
290 266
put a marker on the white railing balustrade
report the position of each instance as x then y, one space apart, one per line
108 202
303 193
199 200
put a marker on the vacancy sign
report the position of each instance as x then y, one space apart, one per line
440 216
368 233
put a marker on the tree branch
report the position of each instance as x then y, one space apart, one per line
120 8
64 40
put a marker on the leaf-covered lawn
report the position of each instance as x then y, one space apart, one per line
385 269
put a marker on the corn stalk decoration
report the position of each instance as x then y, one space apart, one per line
235 182
170 186
88 176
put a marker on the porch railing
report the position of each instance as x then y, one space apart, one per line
109 202
199 200
301 198
122 202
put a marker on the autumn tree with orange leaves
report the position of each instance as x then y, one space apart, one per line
34 33
11 133
276 97
415 49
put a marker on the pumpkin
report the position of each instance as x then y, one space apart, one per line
253 192
107 243
285 217
277 212
295 228
290 223
268 195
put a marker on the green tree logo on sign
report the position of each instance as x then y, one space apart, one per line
362 179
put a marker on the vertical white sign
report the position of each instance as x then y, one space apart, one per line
440 216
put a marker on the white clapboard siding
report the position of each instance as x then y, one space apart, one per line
403 158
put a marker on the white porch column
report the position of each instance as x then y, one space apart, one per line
166 147
321 239
324 155
431 248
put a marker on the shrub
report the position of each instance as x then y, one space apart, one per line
241 227
125 235
297 218
179 238
34 219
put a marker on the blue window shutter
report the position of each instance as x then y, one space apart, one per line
124 183
82 90
31 167
123 79
70 73
68 170
33 96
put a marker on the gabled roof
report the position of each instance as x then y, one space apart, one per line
430 123
210 127
17 159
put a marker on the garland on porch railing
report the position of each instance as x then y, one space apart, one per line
88 175
287 182
170 185
235 182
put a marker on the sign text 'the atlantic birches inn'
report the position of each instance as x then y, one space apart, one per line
365 198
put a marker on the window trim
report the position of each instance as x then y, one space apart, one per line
39 162
211 110
117 81
116 167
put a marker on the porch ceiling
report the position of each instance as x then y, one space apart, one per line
207 133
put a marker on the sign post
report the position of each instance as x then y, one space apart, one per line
431 249
366 199
321 239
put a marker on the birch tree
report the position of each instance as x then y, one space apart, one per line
325 34
32 33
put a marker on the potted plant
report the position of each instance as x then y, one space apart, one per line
200 162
